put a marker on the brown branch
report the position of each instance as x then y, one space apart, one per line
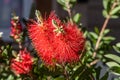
65 72
103 28
100 36
20 45
69 11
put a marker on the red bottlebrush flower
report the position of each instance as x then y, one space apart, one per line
23 63
16 28
41 38
56 42
68 44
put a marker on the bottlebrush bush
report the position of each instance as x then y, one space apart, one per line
52 49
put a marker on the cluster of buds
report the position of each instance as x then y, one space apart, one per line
56 42
16 29
22 64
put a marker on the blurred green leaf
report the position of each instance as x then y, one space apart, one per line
114 16
105 3
116 70
10 77
118 45
77 18
62 2
117 78
108 38
96 30
106 31
94 35
113 57
112 64
5 53
105 14
116 49
77 72
115 10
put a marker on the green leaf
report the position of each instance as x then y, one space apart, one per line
94 35
116 49
62 2
106 31
115 10
113 57
112 64
5 53
96 30
116 70
10 77
77 18
105 3
114 16
105 14
118 45
77 72
108 38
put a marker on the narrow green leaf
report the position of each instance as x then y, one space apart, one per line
106 31
105 3
96 30
94 35
112 64
114 16
116 70
115 10
105 14
10 77
77 18
118 45
116 49
77 72
113 57
62 2
108 38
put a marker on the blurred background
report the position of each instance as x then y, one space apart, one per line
91 11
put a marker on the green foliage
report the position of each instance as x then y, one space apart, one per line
87 68
117 47
111 8
76 18
66 3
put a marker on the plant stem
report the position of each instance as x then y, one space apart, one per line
100 36
31 76
65 72
69 11
20 45
103 28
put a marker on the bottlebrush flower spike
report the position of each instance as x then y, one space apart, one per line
56 42
22 64
16 28
68 44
